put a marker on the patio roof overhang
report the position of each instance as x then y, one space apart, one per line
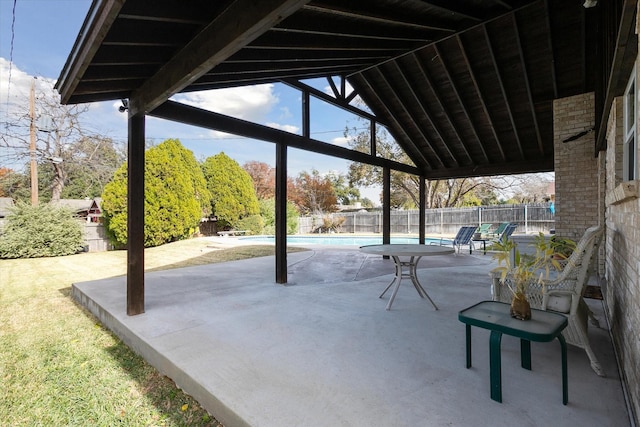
465 88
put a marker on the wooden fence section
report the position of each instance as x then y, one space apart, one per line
530 218
95 237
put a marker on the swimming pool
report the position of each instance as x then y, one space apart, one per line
340 240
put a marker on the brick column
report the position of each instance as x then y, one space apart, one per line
576 168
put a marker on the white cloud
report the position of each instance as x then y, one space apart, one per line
341 141
250 103
286 128
15 88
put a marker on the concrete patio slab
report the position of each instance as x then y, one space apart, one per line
323 350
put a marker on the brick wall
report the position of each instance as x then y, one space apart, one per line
577 171
622 290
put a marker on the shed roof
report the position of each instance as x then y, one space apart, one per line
465 88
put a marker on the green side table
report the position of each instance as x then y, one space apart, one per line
543 326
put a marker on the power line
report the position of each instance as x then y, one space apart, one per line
13 34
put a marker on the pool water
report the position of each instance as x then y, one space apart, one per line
341 240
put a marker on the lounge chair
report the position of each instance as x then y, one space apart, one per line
564 294
498 231
464 236
484 229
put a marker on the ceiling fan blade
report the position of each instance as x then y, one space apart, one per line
578 135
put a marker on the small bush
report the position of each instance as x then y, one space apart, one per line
41 231
268 213
253 223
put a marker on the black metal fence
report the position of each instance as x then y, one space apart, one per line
530 218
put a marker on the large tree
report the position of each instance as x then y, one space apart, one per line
176 196
89 165
14 185
313 193
405 187
59 132
263 177
232 194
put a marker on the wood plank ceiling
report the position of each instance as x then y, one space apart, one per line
465 87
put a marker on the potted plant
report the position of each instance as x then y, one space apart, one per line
517 271
562 247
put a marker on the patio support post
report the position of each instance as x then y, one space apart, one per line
386 206
135 215
421 210
281 213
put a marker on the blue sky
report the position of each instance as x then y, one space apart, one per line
43 35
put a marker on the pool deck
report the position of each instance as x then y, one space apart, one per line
323 350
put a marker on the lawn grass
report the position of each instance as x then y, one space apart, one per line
60 367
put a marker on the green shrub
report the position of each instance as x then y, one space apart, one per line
41 231
232 194
268 213
175 194
252 223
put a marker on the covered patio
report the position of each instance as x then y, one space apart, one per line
467 89
324 351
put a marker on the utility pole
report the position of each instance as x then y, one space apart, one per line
32 145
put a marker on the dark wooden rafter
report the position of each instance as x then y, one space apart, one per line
463 106
87 45
234 28
334 88
422 111
306 114
514 167
315 26
626 46
448 7
337 101
455 34
554 79
462 109
373 150
527 84
370 17
505 96
481 98
398 125
409 112
187 114
442 106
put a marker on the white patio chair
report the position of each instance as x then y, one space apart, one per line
564 294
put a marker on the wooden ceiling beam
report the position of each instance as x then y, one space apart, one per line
463 106
505 97
442 106
337 101
414 119
101 16
444 6
424 113
554 79
517 167
527 84
481 98
455 34
412 151
369 16
194 116
626 42
238 25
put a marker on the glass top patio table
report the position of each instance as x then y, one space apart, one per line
414 252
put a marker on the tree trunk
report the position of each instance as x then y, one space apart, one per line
58 182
